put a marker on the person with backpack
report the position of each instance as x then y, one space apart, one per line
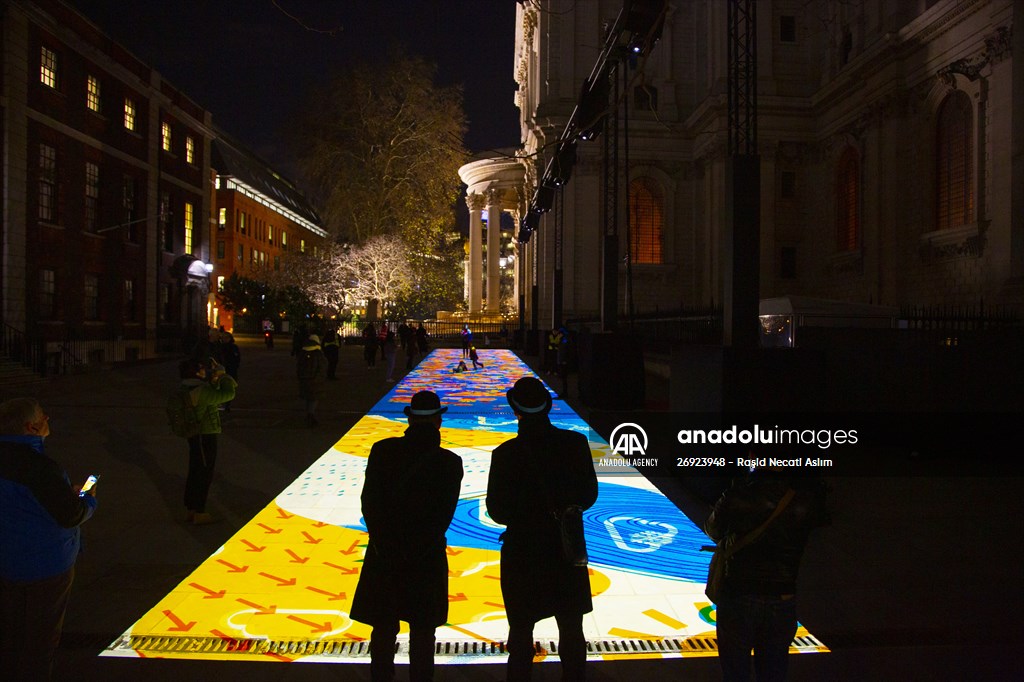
192 409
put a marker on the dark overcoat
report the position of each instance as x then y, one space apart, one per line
541 469
309 367
409 496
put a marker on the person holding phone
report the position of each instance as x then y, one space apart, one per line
39 541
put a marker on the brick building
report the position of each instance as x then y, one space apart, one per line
105 170
259 216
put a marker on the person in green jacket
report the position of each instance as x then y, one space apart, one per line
206 385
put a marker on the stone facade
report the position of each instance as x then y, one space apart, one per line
870 77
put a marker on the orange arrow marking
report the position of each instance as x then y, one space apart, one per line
461 596
281 581
232 568
351 548
334 596
493 577
452 552
310 540
210 594
296 559
179 624
260 609
494 604
283 514
343 569
268 529
252 547
320 524
326 627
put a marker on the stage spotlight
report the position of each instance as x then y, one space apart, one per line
559 168
593 107
645 20
543 198
527 226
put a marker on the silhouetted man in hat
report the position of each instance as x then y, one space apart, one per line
409 497
534 478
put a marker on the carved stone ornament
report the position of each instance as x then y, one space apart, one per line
967 241
997 48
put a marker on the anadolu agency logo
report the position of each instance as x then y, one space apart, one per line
628 440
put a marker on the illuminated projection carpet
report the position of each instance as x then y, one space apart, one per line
280 589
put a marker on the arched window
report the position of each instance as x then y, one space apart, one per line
848 201
646 220
954 175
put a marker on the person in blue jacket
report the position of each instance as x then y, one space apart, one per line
40 515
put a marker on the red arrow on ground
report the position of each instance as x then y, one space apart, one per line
452 552
210 594
281 581
232 568
343 569
320 524
351 548
268 529
296 559
179 624
283 514
334 596
260 609
461 596
310 540
326 627
252 547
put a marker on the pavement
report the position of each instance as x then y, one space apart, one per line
917 578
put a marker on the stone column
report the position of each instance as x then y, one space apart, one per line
475 202
493 251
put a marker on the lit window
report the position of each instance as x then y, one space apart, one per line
270 234
954 175
302 246
646 221
222 219
220 283
92 93
848 202
190 150
47 183
188 227
48 67
92 194
165 136
129 113
284 240
47 293
92 297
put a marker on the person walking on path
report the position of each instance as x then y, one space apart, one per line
467 340
756 609
369 345
533 478
40 538
410 492
204 387
310 364
422 338
331 348
390 351
474 357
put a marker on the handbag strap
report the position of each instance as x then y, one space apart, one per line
752 535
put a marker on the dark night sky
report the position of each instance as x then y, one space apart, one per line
251 64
